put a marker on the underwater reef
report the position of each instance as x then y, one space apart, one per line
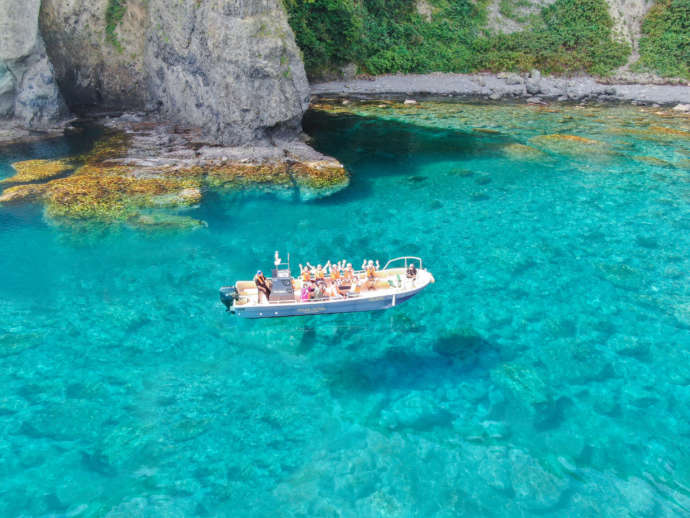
144 173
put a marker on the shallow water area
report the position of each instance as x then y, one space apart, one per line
546 373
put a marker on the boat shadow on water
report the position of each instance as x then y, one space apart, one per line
401 369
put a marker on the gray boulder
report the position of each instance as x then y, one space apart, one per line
29 96
533 83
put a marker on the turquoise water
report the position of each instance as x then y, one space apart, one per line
547 373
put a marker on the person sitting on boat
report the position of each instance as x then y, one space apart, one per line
366 264
412 271
342 287
355 288
261 286
371 274
320 274
305 292
306 273
318 292
348 273
335 273
333 292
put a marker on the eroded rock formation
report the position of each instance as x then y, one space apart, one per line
231 68
29 97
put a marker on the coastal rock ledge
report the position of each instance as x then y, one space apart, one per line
144 174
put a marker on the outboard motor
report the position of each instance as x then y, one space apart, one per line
228 295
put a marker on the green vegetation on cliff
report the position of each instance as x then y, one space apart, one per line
113 16
392 36
569 36
665 43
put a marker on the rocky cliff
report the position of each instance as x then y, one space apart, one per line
230 67
29 96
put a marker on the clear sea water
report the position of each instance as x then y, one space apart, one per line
546 373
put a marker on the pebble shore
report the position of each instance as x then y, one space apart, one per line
531 87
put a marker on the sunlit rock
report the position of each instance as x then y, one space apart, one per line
572 145
522 152
185 197
318 178
104 197
621 275
651 160
23 193
669 132
494 468
487 131
536 487
522 382
38 170
418 411
248 175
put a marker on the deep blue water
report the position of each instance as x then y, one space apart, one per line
546 373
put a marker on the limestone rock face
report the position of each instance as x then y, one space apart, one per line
28 93
229 66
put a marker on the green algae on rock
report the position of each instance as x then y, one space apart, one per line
318 178
106 197
23 193
140 164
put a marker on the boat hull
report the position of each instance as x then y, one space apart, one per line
349 305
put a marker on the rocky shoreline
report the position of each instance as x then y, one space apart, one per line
533 88
142 172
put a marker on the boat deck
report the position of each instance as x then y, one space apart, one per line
388 282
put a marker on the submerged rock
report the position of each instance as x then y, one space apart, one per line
536 488
166 221
23 193
315 179
522 382
142 164
572 145
651 160
36 170
186 197
522 152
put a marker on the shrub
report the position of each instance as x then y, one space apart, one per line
385 36
113 16
665 42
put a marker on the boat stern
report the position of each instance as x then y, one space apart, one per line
228 296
